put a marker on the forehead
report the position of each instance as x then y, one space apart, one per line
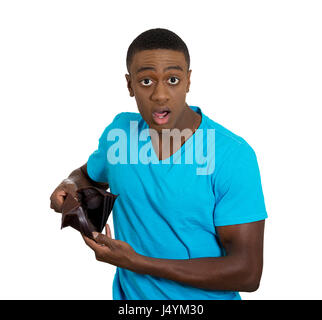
158 58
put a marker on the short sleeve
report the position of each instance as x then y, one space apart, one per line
238 189
97 161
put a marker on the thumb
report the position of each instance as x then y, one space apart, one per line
108 231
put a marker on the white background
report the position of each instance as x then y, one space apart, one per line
256 69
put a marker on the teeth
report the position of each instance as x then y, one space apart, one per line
161 116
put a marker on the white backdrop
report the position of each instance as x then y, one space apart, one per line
256 69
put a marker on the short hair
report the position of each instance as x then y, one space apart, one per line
156 39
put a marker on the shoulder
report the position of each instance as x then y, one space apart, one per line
230 148
121 121
222 132
127 116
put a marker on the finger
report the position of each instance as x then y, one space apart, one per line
108 231
102 239
57 200
91 243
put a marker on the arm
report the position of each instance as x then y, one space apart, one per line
239 270
81 178
77 179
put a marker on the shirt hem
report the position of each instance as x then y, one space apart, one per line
235 221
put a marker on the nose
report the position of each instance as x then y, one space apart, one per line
160 93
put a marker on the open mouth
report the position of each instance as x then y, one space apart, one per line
161 117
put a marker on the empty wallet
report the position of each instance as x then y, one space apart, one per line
89 212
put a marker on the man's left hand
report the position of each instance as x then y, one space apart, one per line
116 252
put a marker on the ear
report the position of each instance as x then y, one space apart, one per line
188 82
129 85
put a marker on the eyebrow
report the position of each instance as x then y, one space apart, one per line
165 69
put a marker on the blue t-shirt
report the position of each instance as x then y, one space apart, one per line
169 209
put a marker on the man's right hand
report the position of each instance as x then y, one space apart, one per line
79 178
59 195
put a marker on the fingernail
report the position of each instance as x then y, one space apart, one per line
95 234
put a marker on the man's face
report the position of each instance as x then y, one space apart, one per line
159 79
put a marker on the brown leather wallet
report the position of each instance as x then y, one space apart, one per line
89 212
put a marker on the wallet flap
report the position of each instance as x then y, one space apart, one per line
70 203
91 211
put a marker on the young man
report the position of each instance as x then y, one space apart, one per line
187 226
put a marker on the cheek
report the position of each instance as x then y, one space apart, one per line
141 94
143 105
179 95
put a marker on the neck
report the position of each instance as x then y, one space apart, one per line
189 120
169 142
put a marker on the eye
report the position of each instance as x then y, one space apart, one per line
173 80
146 82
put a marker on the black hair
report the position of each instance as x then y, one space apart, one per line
156 39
